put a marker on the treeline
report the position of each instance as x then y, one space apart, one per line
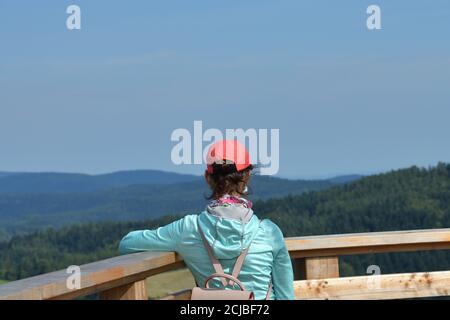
54 249
408 199
414 198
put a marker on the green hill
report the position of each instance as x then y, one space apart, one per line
26 212
51 182
413 198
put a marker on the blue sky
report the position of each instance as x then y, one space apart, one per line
107 97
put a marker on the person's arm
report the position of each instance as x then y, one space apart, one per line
282 273
164 238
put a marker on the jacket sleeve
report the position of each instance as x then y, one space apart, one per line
166 238
282 273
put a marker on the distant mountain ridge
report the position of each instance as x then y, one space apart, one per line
24 212
4 174
33 201
346 178
49 182
60 182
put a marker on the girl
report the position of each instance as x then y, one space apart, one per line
229 226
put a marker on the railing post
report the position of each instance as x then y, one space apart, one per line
316 268
132 291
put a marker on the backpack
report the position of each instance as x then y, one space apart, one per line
207 293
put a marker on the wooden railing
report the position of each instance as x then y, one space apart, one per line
316 270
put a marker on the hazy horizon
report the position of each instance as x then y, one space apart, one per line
200 173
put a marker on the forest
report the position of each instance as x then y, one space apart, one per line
35 201
406 199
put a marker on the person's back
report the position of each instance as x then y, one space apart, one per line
230 226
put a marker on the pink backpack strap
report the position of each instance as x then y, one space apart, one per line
237 266
269 291
216 264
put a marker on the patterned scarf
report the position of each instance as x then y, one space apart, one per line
228 200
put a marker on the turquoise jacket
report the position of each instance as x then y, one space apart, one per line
267 259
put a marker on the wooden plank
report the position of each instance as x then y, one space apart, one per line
132 291
390 286
318 268
368 250
95 277
373 242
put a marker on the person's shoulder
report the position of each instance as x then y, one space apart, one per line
273 234
190 221
272 228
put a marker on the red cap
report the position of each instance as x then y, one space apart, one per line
228 150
